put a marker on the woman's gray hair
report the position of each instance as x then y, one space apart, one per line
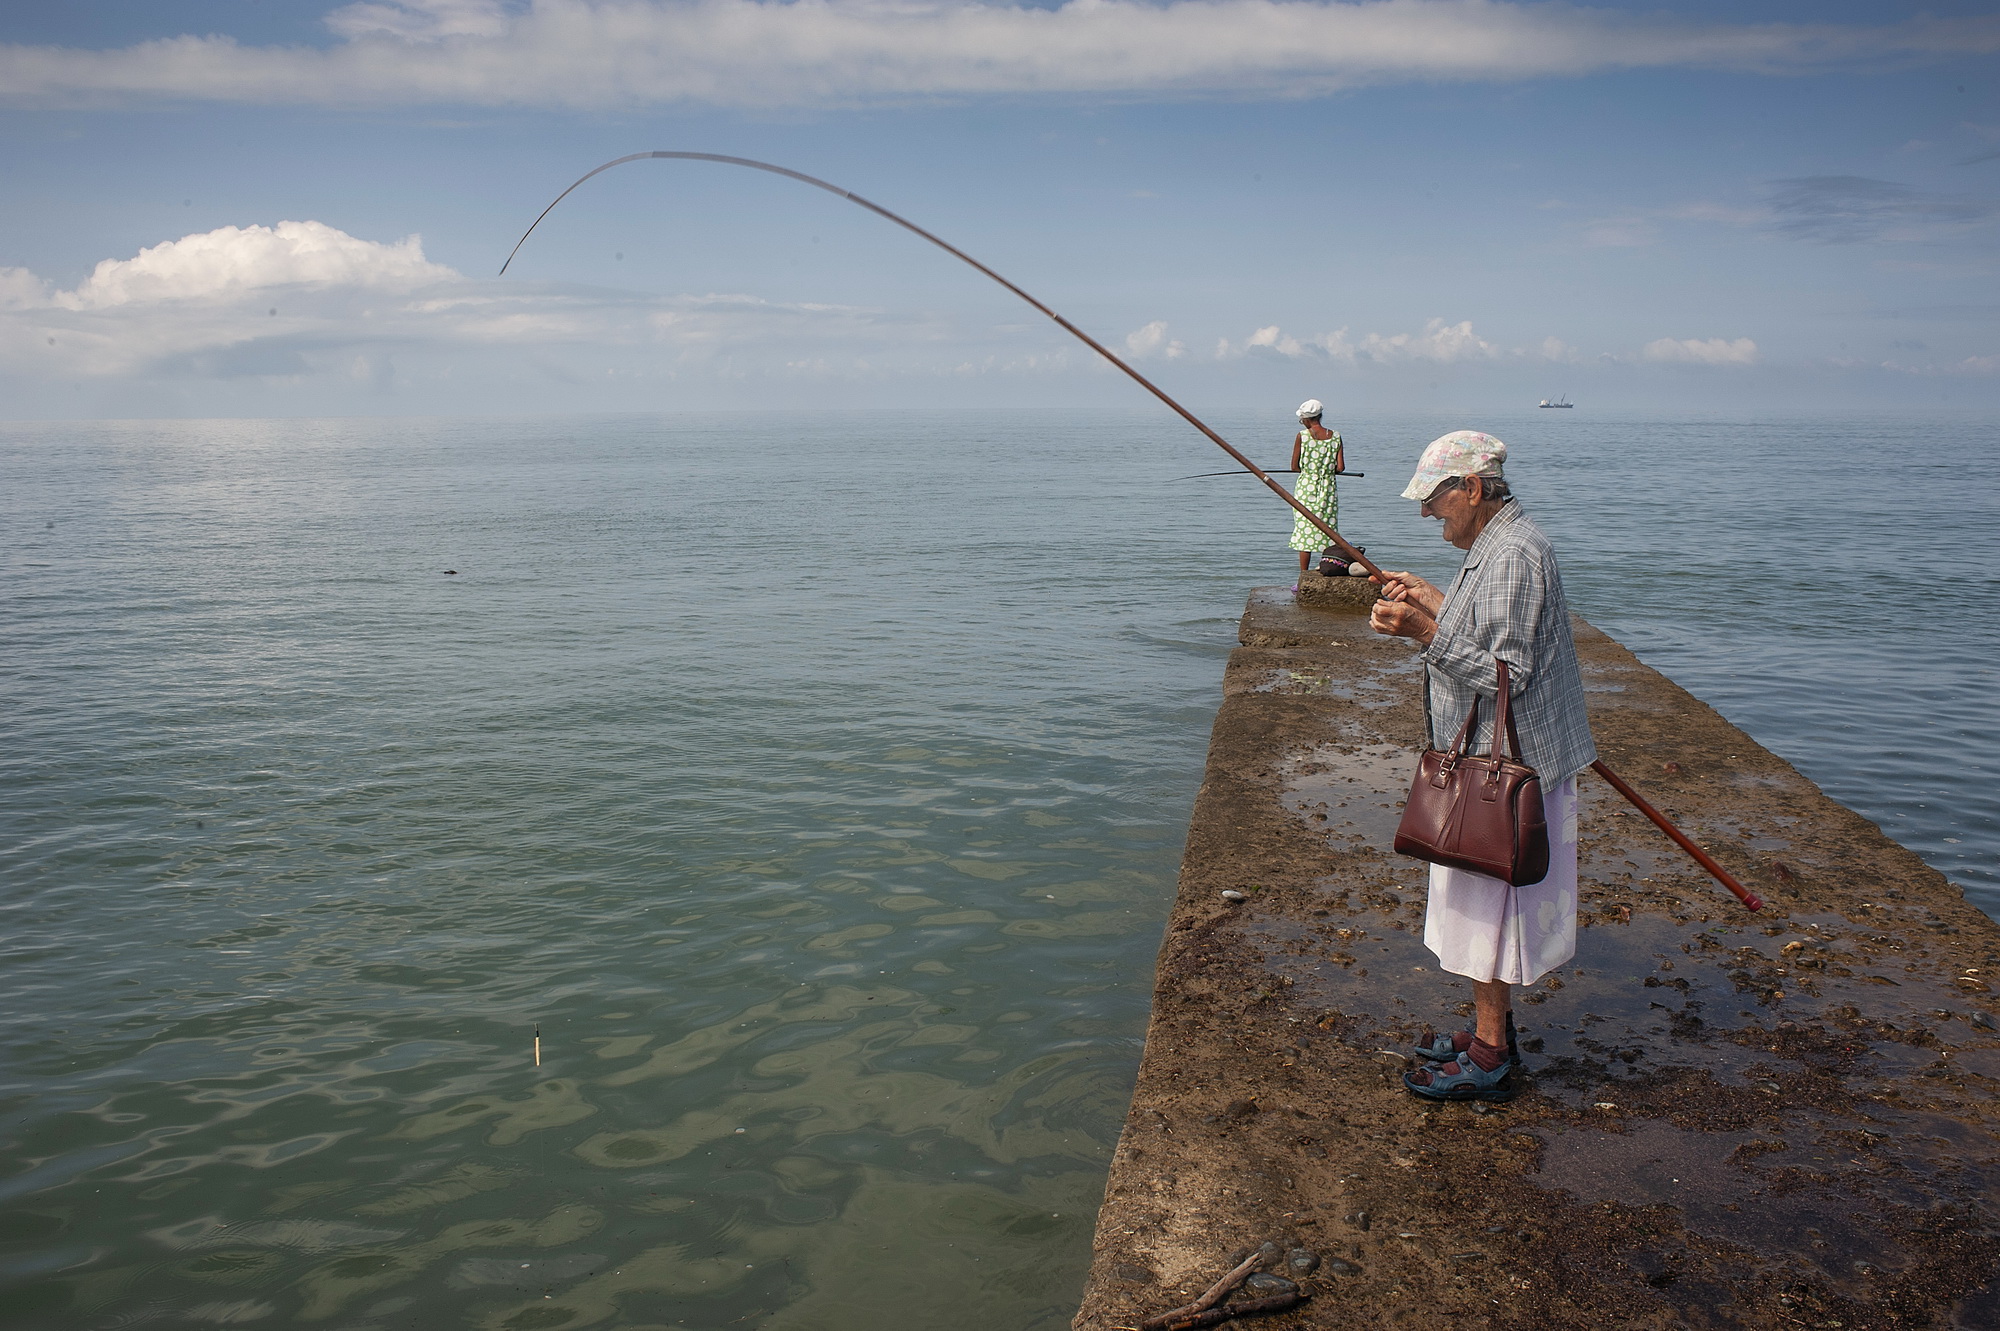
1494 487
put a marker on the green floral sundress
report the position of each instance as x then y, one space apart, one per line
1316 489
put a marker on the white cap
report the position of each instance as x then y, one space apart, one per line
1460 453
1310 408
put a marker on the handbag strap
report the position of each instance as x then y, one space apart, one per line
1465 729
1503 719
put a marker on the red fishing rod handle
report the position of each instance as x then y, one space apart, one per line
1340 542
1701 857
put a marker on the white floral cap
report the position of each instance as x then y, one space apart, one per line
1460 453
1310 408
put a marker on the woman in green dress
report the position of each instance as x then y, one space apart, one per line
1317 457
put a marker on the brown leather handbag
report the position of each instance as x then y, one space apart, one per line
1483 814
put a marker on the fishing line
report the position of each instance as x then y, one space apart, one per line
1353 555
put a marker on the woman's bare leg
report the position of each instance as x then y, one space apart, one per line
1305 562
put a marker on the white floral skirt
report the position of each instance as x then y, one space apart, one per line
1484 929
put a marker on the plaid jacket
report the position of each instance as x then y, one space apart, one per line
1507 604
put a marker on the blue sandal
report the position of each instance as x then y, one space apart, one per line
1444 1048
1464 1079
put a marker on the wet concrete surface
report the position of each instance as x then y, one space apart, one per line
1783 1119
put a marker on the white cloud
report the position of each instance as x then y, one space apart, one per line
1707 210
421 20
21 289
1143 342
1274 339
589 53
1620 233
1973 366
1702 351
1439 343
232 261
1844 210
303 301
1839 210
1639 228
304 298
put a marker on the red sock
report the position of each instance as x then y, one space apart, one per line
1487 1056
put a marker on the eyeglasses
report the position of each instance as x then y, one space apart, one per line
1449 484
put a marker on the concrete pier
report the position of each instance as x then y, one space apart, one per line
1777 1120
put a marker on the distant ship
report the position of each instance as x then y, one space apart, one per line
1562 402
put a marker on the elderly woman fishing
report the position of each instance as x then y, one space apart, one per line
1505 604
1318 457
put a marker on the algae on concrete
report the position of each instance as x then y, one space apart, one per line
1734 1120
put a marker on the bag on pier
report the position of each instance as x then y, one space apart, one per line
1483 814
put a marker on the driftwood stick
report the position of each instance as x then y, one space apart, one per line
1209 1298
1277 1303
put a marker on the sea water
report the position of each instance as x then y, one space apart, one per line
813 786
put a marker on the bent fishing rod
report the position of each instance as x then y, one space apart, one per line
1274 471
1340 542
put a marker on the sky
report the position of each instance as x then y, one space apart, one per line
270 208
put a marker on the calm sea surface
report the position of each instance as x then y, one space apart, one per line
816 788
